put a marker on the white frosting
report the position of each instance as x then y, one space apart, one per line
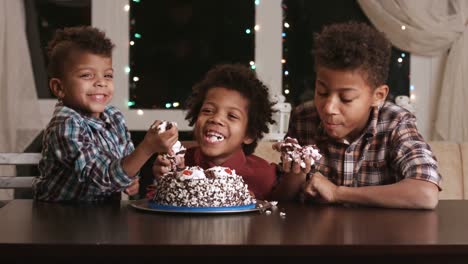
163 126
221 172
177 148
292 151
191 173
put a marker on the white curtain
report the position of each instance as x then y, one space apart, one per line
19 106
430 28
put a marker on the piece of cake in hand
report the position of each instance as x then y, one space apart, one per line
292 151
195 187
178 149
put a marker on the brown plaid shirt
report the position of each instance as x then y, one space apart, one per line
389 150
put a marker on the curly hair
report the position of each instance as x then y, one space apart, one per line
243 80
84 38
354 46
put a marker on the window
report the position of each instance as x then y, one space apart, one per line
241 43
173 43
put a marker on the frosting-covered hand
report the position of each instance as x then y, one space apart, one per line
178 150
292 154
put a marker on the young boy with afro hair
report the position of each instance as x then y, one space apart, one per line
231 110
372 153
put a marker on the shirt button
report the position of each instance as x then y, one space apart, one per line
349 150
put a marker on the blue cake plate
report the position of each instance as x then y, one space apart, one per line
147 205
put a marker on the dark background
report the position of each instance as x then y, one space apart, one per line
307 17
181 40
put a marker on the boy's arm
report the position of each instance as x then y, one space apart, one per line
289 186
412 159
153 142
408 193
77 151
133 162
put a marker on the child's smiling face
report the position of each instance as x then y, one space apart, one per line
221 126
344 100
87 82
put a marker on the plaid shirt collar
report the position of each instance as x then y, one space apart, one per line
103 122
99 123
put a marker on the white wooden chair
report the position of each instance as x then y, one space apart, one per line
12 181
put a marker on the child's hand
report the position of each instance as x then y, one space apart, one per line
279 145
296 158
161 166
320 189
287 164
160 142
294 166
133 188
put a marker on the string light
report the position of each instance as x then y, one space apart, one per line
403 55
135 79
252 65
403 27
400 60
412 95
286 26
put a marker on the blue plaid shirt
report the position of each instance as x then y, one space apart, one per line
81 157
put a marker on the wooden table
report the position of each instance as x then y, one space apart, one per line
29 228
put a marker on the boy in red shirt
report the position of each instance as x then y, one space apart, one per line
230 109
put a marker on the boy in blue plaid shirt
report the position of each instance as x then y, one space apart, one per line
88 155
372 152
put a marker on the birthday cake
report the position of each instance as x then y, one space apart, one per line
195 187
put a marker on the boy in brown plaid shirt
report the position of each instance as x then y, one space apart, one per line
372 153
